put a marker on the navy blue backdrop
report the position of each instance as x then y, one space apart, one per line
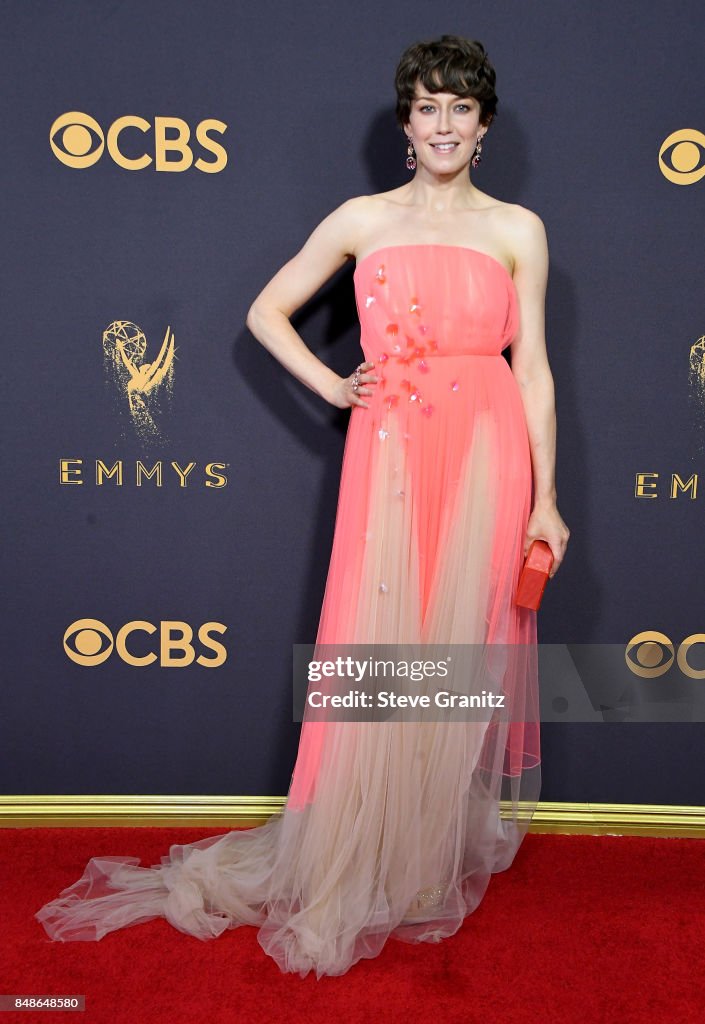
209 141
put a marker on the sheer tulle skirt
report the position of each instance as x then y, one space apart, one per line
391 827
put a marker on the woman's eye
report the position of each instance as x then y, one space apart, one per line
429 106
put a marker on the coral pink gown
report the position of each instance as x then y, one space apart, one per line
435 495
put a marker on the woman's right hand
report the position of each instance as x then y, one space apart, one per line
343 395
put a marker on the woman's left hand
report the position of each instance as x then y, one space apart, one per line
545 523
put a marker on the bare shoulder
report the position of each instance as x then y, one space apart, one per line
377 213
340 232
363 216
525 235
371 212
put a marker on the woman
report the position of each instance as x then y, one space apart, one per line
392 824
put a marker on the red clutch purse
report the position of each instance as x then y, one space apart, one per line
534 574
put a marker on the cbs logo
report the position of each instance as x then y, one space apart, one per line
78 141
654 653
680 157
92 643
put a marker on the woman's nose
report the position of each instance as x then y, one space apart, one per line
444 122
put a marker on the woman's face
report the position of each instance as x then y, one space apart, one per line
446 120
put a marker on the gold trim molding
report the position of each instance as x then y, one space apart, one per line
662 820
132 811
243 811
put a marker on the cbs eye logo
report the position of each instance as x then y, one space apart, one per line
90 642
78 141
651 654
684 150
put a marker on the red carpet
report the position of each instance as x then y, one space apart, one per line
581 928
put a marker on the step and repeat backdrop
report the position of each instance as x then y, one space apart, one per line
169 491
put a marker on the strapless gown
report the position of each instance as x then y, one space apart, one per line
389 828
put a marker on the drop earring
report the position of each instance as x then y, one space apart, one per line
476 155
411 156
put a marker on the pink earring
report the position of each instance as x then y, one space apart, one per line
476 155
411 158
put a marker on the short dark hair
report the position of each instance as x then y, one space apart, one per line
448 64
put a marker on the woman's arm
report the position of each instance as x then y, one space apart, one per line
326 250
533 375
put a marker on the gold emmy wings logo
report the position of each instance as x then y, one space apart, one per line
139 384
78 141
696 372
685 150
